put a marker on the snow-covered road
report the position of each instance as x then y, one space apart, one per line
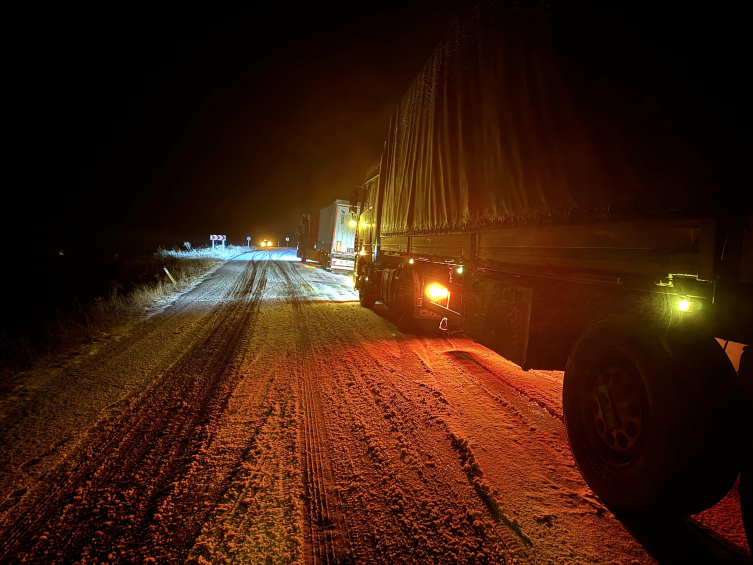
266 417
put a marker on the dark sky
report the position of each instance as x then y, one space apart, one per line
138 127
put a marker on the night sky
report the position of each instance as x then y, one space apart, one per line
135 128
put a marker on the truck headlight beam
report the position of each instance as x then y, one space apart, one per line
435 291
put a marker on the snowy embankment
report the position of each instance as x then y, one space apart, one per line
136 284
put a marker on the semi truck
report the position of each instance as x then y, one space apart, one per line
569 187
328 237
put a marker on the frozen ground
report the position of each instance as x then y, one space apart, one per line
265 417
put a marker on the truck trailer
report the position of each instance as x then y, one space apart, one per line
569 187
329 237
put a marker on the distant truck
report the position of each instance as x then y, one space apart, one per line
328 238
571 189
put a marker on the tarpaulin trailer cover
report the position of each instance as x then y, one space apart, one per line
524 112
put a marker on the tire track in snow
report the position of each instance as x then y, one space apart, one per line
259 518
134 458
475 381
400 501
49 403
325 525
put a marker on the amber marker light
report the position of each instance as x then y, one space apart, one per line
688 306
436 291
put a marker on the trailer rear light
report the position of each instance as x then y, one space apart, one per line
436 291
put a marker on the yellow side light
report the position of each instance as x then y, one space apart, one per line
436 291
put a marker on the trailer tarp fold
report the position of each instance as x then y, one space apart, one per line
514 118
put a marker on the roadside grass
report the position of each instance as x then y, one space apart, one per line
139 283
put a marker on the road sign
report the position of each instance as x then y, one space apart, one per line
214 238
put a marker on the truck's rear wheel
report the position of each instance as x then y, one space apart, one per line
365 293
746 492
403 300
652 421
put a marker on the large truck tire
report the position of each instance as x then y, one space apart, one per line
653 421
365 291
746 492
404 300
745 376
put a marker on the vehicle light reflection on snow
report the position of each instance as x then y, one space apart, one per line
284 254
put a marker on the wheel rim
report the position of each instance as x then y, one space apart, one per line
616 411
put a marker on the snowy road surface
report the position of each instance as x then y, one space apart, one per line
266 417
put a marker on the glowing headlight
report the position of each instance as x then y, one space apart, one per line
683 305
364 224
262 244
436 291
459 270
352 223
363 252
410 261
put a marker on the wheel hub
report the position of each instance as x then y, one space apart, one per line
617 409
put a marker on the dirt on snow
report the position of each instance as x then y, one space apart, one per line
264 416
